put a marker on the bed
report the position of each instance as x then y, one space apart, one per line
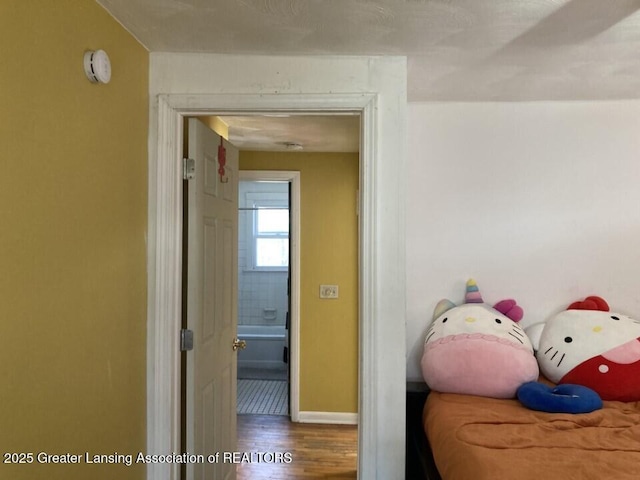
483 359
478 438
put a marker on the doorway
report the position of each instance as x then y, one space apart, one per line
332 180
381 264
264 261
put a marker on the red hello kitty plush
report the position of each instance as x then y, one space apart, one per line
591 346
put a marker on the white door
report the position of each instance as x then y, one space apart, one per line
211 304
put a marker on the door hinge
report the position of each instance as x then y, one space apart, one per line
186 340
188 168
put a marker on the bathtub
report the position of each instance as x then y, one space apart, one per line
265 345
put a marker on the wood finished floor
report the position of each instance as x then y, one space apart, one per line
317 451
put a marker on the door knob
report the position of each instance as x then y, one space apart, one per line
239 344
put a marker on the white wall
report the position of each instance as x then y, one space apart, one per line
536 201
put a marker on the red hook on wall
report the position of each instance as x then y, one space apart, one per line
222 160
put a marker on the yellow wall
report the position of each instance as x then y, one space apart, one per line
216 124
73 215
329 255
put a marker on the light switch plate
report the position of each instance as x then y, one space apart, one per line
328 291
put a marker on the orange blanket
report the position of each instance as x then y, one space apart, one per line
478 438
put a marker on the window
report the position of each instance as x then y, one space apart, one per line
264 226
271 237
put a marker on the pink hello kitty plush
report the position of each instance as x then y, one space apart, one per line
591 346
477 349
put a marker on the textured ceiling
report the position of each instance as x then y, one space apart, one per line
311 133
457 50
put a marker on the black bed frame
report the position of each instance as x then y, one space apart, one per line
419 459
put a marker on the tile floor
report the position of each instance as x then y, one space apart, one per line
266 397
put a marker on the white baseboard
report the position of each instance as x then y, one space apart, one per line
342 418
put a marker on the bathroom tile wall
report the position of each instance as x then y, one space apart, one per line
259 292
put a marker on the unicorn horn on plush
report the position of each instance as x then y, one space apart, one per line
478 349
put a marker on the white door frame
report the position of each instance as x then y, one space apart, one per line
165 256
294 274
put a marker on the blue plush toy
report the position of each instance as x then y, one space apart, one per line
564 398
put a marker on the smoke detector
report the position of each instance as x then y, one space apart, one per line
97 66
